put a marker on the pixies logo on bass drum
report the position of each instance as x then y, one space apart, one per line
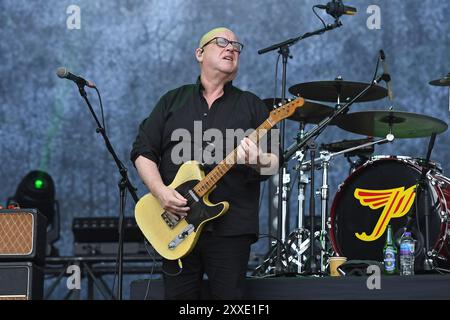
395 203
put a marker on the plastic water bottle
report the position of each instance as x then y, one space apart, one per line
407 247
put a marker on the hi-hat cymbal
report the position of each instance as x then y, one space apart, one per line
310 112
444 82
329 91
400 124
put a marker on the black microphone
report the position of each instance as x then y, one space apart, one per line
336 9
63 73
387 75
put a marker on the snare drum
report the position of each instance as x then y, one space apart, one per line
382 192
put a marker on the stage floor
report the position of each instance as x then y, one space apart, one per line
418 287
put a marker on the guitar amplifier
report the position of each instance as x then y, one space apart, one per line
22 235
21 281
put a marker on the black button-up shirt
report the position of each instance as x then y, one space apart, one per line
235 109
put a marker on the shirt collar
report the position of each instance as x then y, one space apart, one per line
226 88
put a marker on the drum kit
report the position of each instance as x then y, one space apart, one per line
379 190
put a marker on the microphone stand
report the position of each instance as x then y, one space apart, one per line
124 184
283 49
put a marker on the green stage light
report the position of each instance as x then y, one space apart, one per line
38 183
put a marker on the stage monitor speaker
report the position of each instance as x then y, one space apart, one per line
21 281
22 235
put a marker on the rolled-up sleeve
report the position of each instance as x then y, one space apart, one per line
148 142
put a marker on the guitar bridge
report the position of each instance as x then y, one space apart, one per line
170 220
180 237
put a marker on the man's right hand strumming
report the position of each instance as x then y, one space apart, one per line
173 202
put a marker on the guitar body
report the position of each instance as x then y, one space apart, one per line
175 239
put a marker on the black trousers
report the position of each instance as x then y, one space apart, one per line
223 259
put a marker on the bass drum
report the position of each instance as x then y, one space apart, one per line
382 192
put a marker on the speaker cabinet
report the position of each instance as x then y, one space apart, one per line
21 281
22 235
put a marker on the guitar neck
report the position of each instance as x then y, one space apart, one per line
205 185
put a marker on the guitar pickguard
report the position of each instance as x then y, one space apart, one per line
199 212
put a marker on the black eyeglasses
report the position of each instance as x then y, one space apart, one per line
223 43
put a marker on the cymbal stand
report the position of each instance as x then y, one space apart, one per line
325 156
312 209
296 245
301 235
285 188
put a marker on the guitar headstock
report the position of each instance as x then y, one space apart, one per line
286 110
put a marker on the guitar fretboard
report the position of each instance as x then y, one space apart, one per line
211 179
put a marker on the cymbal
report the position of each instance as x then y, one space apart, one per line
310 112
444 82
401 124
329 90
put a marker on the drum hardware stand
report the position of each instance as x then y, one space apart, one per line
324 161
297 248
296 254
299 145
311 135
293 254
286 180
312 209
283 49
423 195
326 157
285 191
429 259
300 234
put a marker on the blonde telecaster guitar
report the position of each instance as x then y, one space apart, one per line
174 239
